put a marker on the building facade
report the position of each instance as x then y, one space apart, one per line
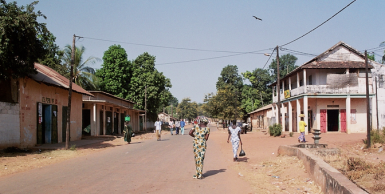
330 90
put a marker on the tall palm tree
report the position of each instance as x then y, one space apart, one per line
83 74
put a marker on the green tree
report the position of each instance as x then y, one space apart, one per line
144 74
187 109
22 39
250 99
230 77
83 74
286 65
115 74
260 80
53 56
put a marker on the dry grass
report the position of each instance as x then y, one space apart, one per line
280 175
362 166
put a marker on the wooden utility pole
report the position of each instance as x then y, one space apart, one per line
367 101
70 94
278 88
145 108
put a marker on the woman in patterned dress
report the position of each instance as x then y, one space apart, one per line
235 134
201 134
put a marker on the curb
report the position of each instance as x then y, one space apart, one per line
329 178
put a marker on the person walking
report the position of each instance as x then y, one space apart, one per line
182 124
127 130
201 134
171 126
302 125
158 129
235 134
177 126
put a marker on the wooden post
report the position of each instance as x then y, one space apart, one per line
145 108
367 101
278 84
70 94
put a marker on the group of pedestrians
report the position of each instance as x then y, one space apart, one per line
178 125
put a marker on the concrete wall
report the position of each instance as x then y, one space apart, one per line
9 124
32 92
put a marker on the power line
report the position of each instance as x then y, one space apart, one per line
204 59
318 25
169 47
268 59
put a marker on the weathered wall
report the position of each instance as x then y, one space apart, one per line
32 92
9 124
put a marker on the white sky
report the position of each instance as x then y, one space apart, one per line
212 25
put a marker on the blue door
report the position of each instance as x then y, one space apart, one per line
47 120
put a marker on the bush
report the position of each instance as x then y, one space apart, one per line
291 134
376 136
275 130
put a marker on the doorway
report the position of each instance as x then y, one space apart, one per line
64 123
108 123
46 124
86 122
332 120
101 119
116 123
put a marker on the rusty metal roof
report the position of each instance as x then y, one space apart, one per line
51 77
113 96
261 109
316 64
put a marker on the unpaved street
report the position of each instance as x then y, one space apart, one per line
143 167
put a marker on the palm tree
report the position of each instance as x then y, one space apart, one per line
83 74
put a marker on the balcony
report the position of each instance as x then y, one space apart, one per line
325 89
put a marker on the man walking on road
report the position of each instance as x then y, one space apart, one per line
158 129
177 126
182 124
171 126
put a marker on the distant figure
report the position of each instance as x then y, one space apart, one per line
182 124
177 126
302 125
127 130
171 126
201 134
158 129
235 134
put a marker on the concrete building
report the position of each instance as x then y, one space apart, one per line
329 90
34 109
262 118
104 113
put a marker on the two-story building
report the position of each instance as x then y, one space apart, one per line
329 90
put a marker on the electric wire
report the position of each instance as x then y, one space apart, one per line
318 25
169 47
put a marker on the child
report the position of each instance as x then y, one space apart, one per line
302 126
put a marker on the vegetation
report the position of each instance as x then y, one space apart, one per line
275 130
187 109
376 136
19 27
83 74
115 72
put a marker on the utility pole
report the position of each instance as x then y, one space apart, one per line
145 108
70 94
171 111
278 88
367 102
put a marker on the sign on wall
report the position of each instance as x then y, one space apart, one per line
353 119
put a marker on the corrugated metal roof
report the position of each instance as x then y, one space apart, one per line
315 64
108 94
51 77
263 108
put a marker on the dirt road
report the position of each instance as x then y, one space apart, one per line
149 166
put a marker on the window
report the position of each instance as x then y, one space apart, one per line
9 91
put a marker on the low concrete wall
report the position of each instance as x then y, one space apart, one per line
330 179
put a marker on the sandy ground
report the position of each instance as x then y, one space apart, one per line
261 168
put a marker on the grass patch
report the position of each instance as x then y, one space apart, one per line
73 147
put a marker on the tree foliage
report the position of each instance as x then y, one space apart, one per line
144 74
83 74
54 55
22 39
286 65
230 78
115 74
187 109
260 80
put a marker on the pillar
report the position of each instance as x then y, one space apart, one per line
93 123
305 111
298 112
120 121
297 79
348 114
290 115
304 81
283 117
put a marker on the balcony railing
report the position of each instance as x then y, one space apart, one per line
325 89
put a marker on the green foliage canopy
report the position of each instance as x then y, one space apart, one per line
286 65
22 39
187 109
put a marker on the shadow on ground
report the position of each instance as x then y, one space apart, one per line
213 172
